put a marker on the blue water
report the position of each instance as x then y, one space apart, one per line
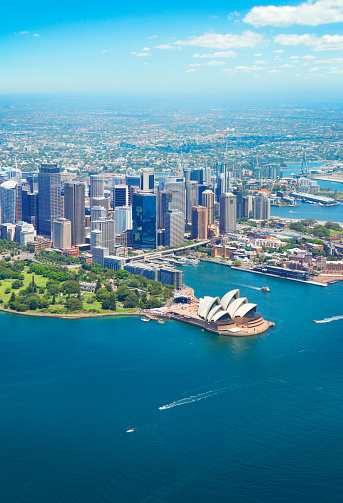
294 167
305 210
251 420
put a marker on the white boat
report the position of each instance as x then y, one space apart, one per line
130 430
145 318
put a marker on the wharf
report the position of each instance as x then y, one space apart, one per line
307 282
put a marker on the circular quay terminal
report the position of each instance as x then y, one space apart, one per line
231 315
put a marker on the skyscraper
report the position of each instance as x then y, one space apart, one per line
97 188
120 195
191 198
247 206
144 220
8 199
105 234
49 197
122 218
228 212
174 228
177 187
164 204
261 207
61 233
208 202
74 210
199 222
147 183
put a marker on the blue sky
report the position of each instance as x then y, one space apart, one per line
178 47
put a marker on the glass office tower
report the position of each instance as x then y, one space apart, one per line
144 220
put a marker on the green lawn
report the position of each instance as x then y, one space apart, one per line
7 283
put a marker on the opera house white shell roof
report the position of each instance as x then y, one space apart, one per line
231 305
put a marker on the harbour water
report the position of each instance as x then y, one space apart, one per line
217 419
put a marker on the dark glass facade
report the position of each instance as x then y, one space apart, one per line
49 197
144 221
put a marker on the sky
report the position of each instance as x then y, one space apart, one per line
104 46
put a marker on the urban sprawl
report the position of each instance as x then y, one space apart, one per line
143 191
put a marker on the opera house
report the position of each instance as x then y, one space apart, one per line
229 315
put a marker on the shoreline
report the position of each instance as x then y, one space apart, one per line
77 316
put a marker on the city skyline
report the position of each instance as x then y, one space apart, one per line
112 48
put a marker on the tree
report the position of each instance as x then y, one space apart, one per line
333 226
321 232
73 304
70 287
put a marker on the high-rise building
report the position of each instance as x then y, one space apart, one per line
164 204
191 198
120 195
49 197
98 213
100 201
24 233
8 201
208 201
247 206
74 210
199 222
144 220
261 207
177 187
228 212
122 218
61 233
29 207
106 234
174 228
147 183
97 186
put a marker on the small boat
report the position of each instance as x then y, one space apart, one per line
130 430
265 289
315 321
145 318
160 322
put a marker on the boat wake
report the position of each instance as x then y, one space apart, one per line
195 398
249 286
328 320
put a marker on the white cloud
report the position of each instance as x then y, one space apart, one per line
260 62
140 54
274 71
222 54
146 49
36 35
164 46
278 51
287 66
190 70
228 41
336 70
314 69
104 50
23 33
308 13
252 68
294 57
258 55
324 43
309 57
152 36
194 64
214 62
